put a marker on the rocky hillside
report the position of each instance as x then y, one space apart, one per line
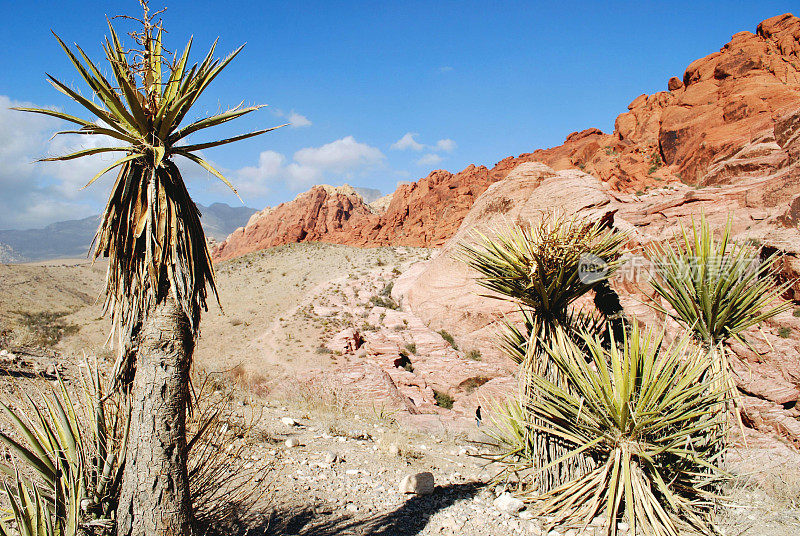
446 295
728 119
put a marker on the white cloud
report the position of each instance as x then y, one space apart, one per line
35 194
445 69
407 142
430 159
254 180
298 120
295 119
447 145
342 158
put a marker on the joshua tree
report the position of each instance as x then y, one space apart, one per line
159 266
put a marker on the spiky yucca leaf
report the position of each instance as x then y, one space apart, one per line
150 229
68 462
716 289
644 413
541 266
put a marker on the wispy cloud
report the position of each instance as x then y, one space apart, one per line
407 142
447 145
445 69
430 159
295 119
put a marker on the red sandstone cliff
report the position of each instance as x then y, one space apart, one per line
728 119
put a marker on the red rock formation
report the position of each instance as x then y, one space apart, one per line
320 214
727 120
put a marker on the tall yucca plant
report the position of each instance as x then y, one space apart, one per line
544 269
159 265
716 289
644 414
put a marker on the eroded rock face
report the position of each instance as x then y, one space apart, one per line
323 213
732 116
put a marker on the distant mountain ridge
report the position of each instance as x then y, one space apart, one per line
72 238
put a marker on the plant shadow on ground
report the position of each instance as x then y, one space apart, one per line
408 519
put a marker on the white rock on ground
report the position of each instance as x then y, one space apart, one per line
288 421
509 504
292 442
419 484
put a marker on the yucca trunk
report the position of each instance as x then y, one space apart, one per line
547 448
155 499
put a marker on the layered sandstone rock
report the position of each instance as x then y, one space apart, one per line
729 118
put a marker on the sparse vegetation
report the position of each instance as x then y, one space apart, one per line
381 301
784 332
474 355
796 313
411 348
443 400
44 328
448 338
470 384
655 162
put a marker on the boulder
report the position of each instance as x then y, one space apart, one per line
418 484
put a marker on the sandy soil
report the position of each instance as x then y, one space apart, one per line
280 307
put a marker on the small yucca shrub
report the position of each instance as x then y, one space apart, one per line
544 269
643 413
716 289
73 452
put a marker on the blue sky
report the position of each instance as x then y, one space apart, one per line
472 82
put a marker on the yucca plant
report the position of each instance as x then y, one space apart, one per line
159 266
73 455
716 289
544 268
643 413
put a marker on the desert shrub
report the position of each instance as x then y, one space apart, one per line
322 350
224 483
45 328
411 348
381 301
784 332
796 313
448 338
387 290
655 162
443 400
474 355
642 413
470 384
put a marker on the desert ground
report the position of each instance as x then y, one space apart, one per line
321 451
